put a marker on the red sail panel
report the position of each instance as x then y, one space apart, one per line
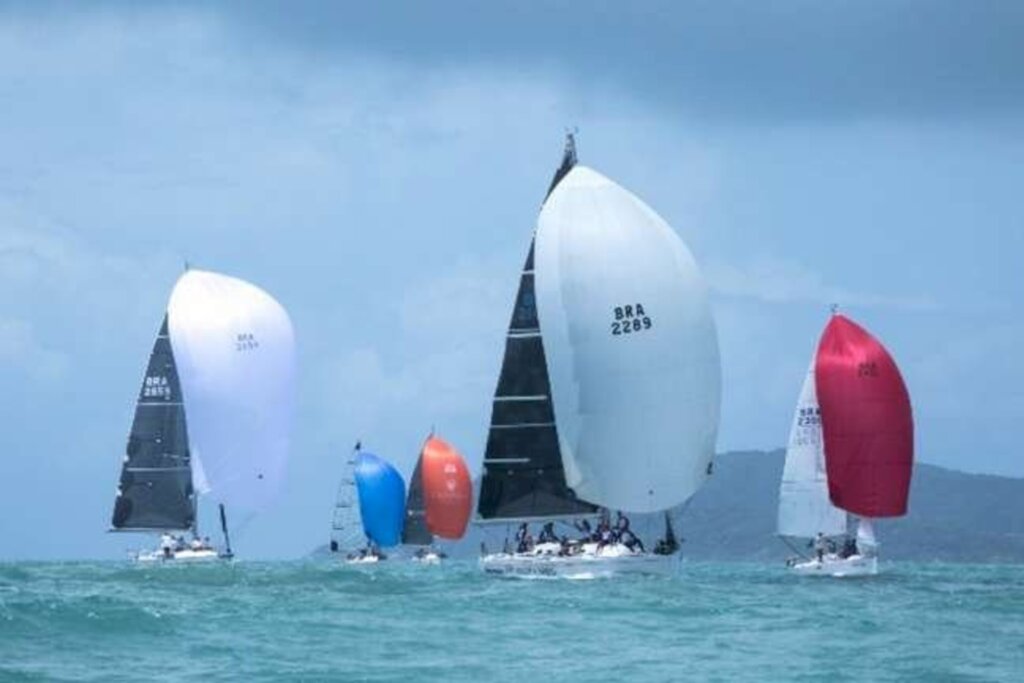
447 489
866 421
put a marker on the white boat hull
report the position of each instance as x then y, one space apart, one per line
591 563
368 559
186 556
429 558
833 565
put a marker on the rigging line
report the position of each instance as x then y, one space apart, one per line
791 547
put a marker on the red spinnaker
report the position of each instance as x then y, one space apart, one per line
447 489
866 420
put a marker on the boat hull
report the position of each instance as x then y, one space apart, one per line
429 558
186 556
831 565
589 564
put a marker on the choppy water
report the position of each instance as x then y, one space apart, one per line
319 621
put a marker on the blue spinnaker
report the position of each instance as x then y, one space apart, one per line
381 499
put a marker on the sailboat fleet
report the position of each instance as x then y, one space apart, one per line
607 403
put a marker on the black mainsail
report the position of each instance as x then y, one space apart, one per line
415 531
155 490
523 473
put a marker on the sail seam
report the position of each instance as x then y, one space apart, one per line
155 469
525 425
538 397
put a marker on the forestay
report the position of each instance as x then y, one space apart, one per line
631 347
235 350
804 506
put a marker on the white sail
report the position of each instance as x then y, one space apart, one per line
804 505
347 523
630 344
866 540
235 350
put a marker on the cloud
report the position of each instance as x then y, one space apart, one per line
735 61
775 281
440 368
22 353
75 295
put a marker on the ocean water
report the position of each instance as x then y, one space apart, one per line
402 622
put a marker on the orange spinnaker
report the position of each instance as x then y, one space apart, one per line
447 489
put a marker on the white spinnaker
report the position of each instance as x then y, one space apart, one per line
804 505
637 412
235 351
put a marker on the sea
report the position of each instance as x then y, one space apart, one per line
398 621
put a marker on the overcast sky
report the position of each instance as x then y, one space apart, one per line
379 167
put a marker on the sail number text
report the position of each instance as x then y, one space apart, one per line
630 318
869 369
246 341
156 386
808 417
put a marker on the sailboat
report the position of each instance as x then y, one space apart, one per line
608 395
440 500
212 417
850 455
370 509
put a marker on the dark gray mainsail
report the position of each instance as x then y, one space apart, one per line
523 473
155 490
415 531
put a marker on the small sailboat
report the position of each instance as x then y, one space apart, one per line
370 509
608 396
212 418
440 500
850 455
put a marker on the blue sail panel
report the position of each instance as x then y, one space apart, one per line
381 499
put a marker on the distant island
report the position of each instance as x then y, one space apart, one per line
954 517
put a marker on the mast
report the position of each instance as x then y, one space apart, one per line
523 474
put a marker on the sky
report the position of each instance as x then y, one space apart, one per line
378 167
